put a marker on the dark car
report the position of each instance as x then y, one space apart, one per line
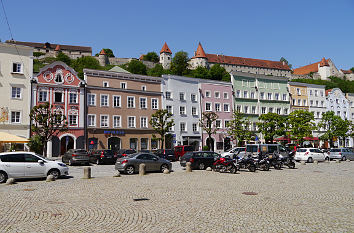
103 157
76 156
130 163
124 152
181 150
166 154
199 159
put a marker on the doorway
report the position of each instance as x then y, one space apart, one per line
114 144
66 143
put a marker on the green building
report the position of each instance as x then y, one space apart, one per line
257 94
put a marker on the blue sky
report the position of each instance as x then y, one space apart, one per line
302 31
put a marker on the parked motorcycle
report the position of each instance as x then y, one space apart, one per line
289 160
275 161
262 162
247 162
225 164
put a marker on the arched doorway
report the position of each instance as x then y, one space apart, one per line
114 143
66 143
210 143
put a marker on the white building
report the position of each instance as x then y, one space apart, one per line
16 68
181 98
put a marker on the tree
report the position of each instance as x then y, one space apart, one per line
179 64
85 62
157 71
135 67
109 53
300 123
47 123
64 58
238 128
35 144
151 56
207 122
352 69
218 72
282 59
201 72
271 125
161 123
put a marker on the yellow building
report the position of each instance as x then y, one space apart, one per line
298 96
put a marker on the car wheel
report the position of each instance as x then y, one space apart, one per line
164 167
344 158
327 158
130 170
201 166
310 160
3 177
55 173
70 162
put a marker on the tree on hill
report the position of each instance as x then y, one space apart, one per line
135 67
64 58
179 64
108 52
151 56
157 71
85 62
201 72
282 59
218 72
352 69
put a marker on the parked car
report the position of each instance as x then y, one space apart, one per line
199 159
234 152
130 163
341 153
255 149
181 150
29 164
166 154
124 152
103 157
310 154
76 156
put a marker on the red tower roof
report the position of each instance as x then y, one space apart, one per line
165 49
102 52
57 48
200 52
324 62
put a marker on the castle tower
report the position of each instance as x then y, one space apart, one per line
324 69
102 58
57 50
199 58
165 56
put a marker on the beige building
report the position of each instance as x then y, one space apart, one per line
298 96
119 108
16 65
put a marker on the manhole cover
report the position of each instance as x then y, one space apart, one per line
250 193
140 199
28 189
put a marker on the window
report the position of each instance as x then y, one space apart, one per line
316 103
226 108
261 96
310 92
285 111
245 94
131 122
245 109
193 97
17 68
182 110
104 100
284 97
318 114
58 78
252 95
316 93
227 123
123 85
154 103
299 102
43 96
226 95
143 122
276 96
169 109
116 101
322 93
182 126
322 103
253 110
15 117
194 111
131 101
311 103
195 127
58 97
142 103
72 120
298 91
254 125
304 102
144 143
16 93
294 102
207 106
207 94
270 110
105 84
244 83
238 108
270 96
168 95
238 94
91 120
264 110
116 122
143 88
278 111
217 94
91 99
217 107
218 124
182 96
72 98
104 120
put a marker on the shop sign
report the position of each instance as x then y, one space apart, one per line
114 132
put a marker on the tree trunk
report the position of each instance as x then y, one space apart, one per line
45 149
162 143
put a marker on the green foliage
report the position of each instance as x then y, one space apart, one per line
345 85
205 148
151 56
218 72
352 69
37 65
109 52
282 59
238 128
157 71
300 124
38 54
208 124
179 64
85 62
271 125
64 58
201 72
135 67
161 122
35 144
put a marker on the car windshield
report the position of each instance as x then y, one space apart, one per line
131 155
301 150
188 148
252 148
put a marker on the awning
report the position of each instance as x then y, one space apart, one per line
288 139
282 139
10 138
311 139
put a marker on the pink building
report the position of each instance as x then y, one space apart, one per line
217 97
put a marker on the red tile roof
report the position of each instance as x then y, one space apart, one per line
328 91
57 48
102 52
200 52
52 46
141 57
347 71
310 68
324 62
165 49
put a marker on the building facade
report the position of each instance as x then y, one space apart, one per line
16 65
298 96
256 94
181 98
217 97
119 108
60 86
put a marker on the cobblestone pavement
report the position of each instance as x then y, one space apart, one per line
312 198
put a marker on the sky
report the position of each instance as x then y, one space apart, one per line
302 31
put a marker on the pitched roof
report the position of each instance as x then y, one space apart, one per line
200 52
57 48
347 71
165 49
141 57
310 68
102 52
328 91
51 46
119 69
324 62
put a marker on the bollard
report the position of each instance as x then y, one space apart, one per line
188 167
315 161
337 160
142 168
87 173
50 178
209 169
166 171
117 174
303 163
10 181
348 160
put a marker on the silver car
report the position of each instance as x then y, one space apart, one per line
130 164
341 153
